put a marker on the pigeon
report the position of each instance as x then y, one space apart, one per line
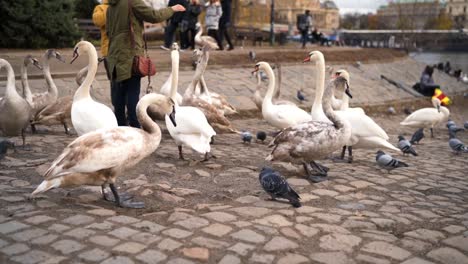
407 111
417 136
405 146
277 186
466 125
386 161
261 135
252 55
456 145
452 127
300 96
391 110
246 137
4 145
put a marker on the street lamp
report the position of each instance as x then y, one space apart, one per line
272 23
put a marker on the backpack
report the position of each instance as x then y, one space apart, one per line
302 22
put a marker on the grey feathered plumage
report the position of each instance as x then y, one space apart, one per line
386 161
277 186
456 145
261 135
417 136
246 137
405 146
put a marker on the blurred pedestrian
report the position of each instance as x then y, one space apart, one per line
427 85
213 15
188 25
173 23
304 22
125 86
99 19
225 24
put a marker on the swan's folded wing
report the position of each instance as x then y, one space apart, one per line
191 120
94 151
292 114
421 115
304 131
362 125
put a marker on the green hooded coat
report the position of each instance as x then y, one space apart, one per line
121 53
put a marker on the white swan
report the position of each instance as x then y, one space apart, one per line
317 111
88 115
313 140
15 111
166 89
258 98
279 116
98 157
428 117
365 133
192 128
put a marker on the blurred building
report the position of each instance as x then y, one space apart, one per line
458 10
409 14
257 13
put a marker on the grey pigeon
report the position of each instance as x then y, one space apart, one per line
246 137
261 135
277 186
407 111
405 146
456 145
300 96
417 136
4 145
453 128
466 125
386 161
391 110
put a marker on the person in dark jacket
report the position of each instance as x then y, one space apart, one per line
427 85
173 23
225 23
187 26
125 87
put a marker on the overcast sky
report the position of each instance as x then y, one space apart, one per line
361 6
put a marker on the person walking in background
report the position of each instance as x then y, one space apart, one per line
173 23
99 19
225 23
125 87
427 85
213 14
304 22
188 25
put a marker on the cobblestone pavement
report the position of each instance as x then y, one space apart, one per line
215 212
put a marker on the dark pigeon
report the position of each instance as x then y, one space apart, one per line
246 137
453 128
407 111
386 161
417 136
5 144
466 125
261 135
300 96
456 145
277 186
405 146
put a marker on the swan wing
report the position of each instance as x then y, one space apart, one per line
88 115
374 142
362 125
98 150
290 114
421 116
190 120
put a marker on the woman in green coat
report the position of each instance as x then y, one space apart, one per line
125 87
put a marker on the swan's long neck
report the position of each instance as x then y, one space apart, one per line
201 66
319 84
11 88
175 74
271 86
83 90
328 110
146 122
24 81
52 88
344 102
258 99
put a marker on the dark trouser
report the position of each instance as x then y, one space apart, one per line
106 66
169 34
188 40
224 33
428 89
304 37
126 93
215 34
